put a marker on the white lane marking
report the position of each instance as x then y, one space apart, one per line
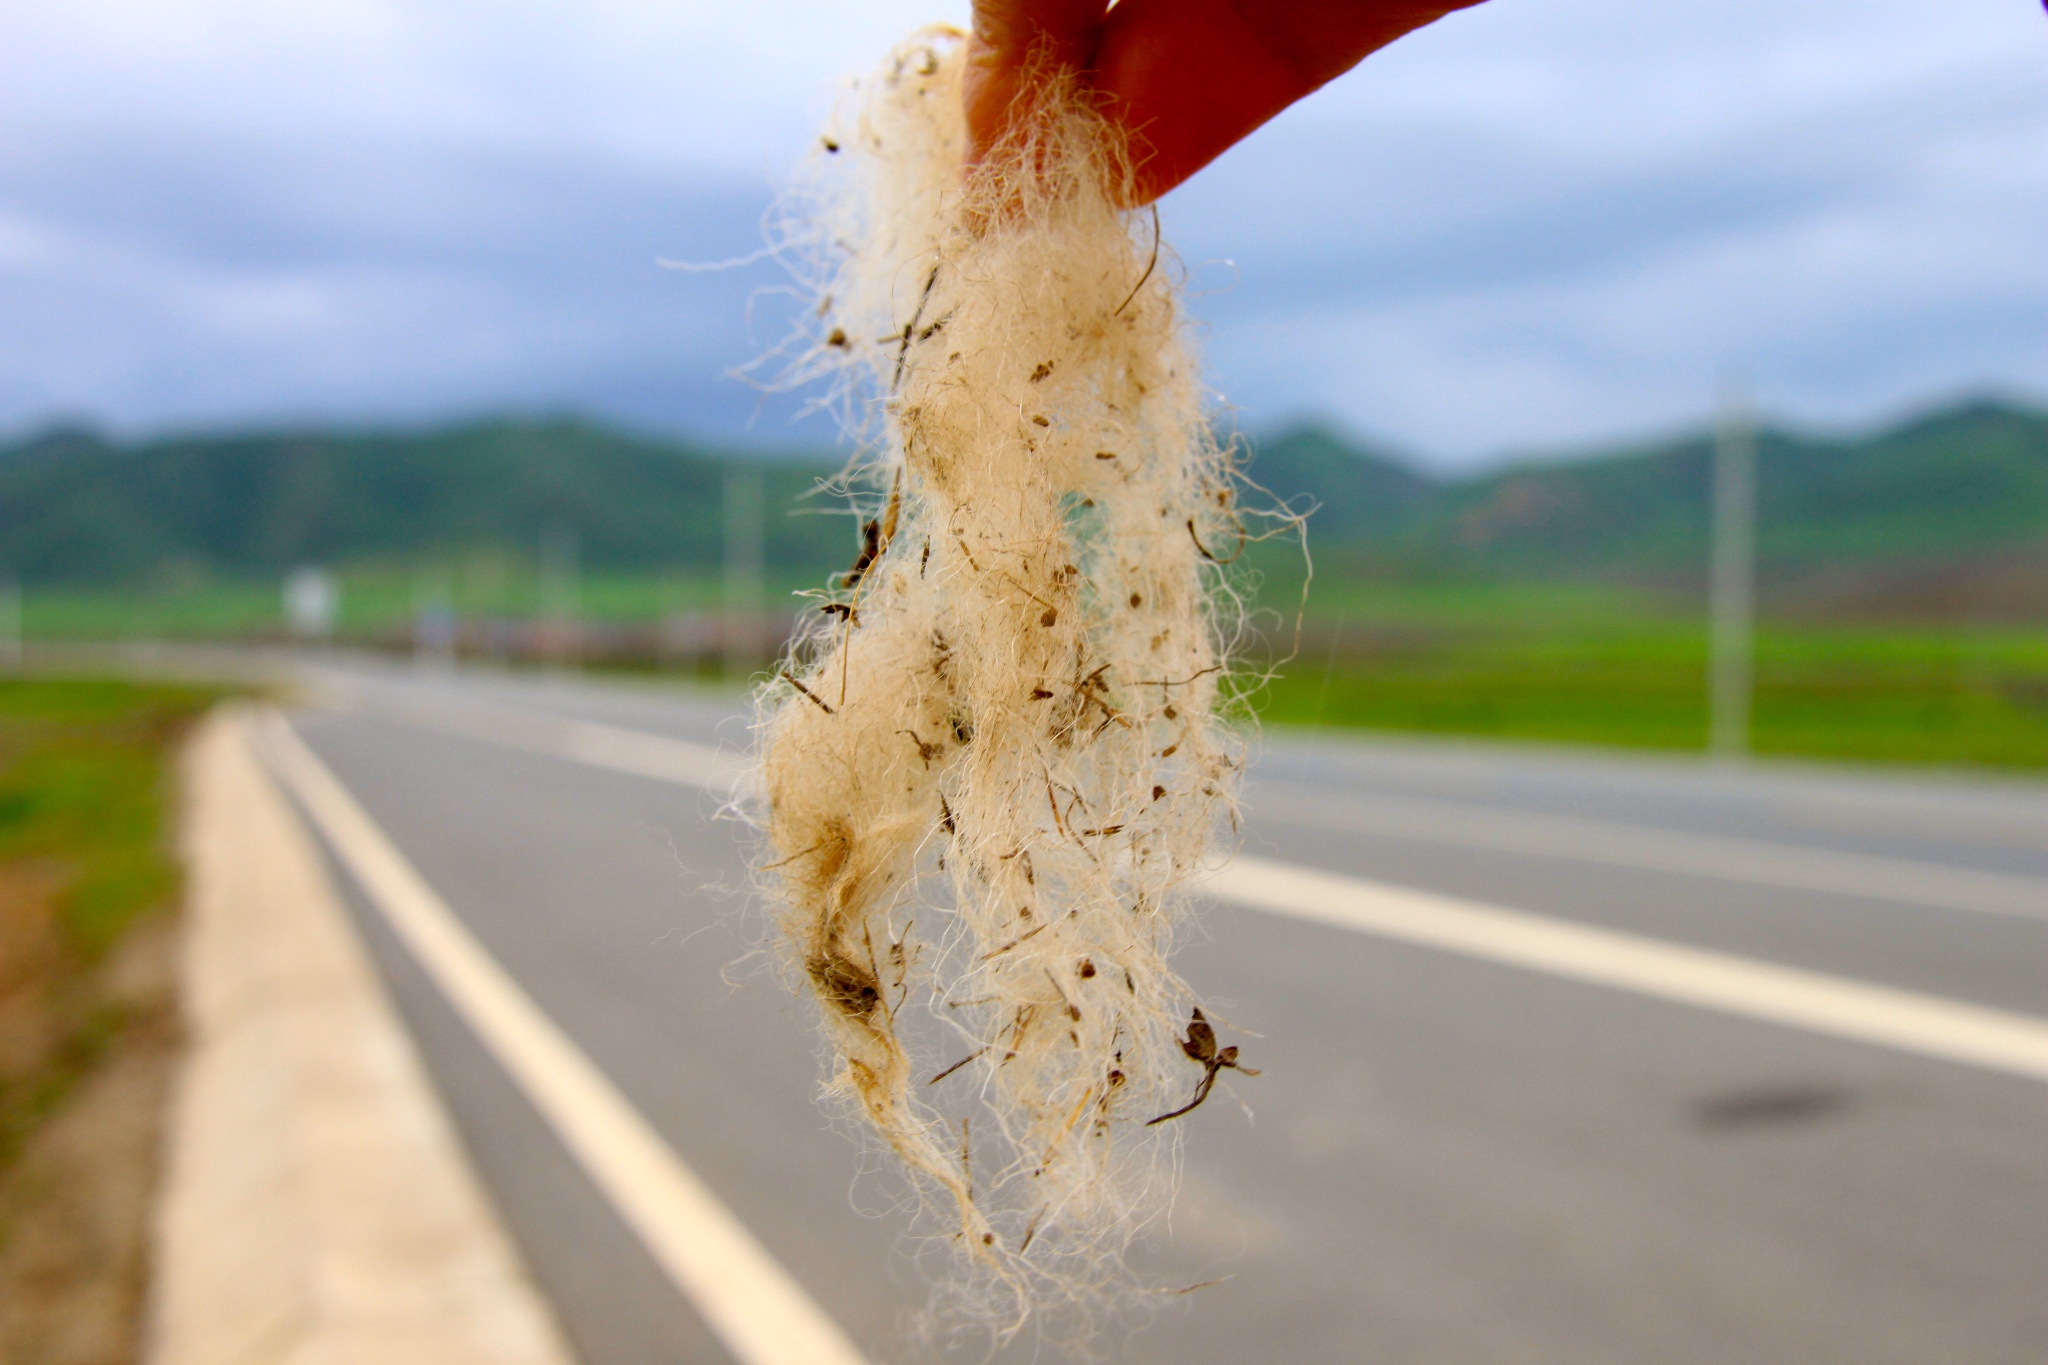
1926 1025
1463 824
763 1316
656 756
1726 857
1905 1020
639 752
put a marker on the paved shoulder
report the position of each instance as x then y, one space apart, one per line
317 1203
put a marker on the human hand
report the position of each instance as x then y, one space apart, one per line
1185 78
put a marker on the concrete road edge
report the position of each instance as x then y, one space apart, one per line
316 1204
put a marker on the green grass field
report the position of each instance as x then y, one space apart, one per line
1575 675
1572 664
373 601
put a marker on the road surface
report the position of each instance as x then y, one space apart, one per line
1451 1155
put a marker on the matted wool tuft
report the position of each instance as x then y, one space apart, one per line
994 762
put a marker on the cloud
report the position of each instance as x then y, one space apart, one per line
268 277
1528 225
1468 282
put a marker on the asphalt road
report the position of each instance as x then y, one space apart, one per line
1444 1160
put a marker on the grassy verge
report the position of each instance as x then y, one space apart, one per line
86 802
85 787
88 1006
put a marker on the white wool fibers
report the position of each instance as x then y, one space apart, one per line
994 762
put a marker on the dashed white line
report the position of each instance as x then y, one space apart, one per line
1907 1021
1887 1017
1725 857
593 743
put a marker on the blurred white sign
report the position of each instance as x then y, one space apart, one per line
312 603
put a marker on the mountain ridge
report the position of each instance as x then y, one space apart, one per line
1957 493
1934 493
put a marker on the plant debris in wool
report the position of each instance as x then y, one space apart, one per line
998 756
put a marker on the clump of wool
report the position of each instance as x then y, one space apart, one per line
996 759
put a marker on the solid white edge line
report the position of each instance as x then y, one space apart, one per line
763 1316
1907 1021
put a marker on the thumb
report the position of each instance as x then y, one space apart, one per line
1008 37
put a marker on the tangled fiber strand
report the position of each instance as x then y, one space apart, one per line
995 760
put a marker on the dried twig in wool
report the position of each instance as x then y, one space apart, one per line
1019 680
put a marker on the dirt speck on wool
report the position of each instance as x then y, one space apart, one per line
1004 748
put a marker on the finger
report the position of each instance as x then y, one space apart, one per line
1008 35
1192 77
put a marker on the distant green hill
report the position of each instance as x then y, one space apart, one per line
76 509
1945 512
1943 515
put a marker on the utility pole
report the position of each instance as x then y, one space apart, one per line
11 657
744 507
1732 644
561 559
434 625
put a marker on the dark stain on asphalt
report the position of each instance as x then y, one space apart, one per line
1786 1105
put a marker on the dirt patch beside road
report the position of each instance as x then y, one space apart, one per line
75 1201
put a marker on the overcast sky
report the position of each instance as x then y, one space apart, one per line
1539 224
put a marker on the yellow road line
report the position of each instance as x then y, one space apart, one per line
763 1316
